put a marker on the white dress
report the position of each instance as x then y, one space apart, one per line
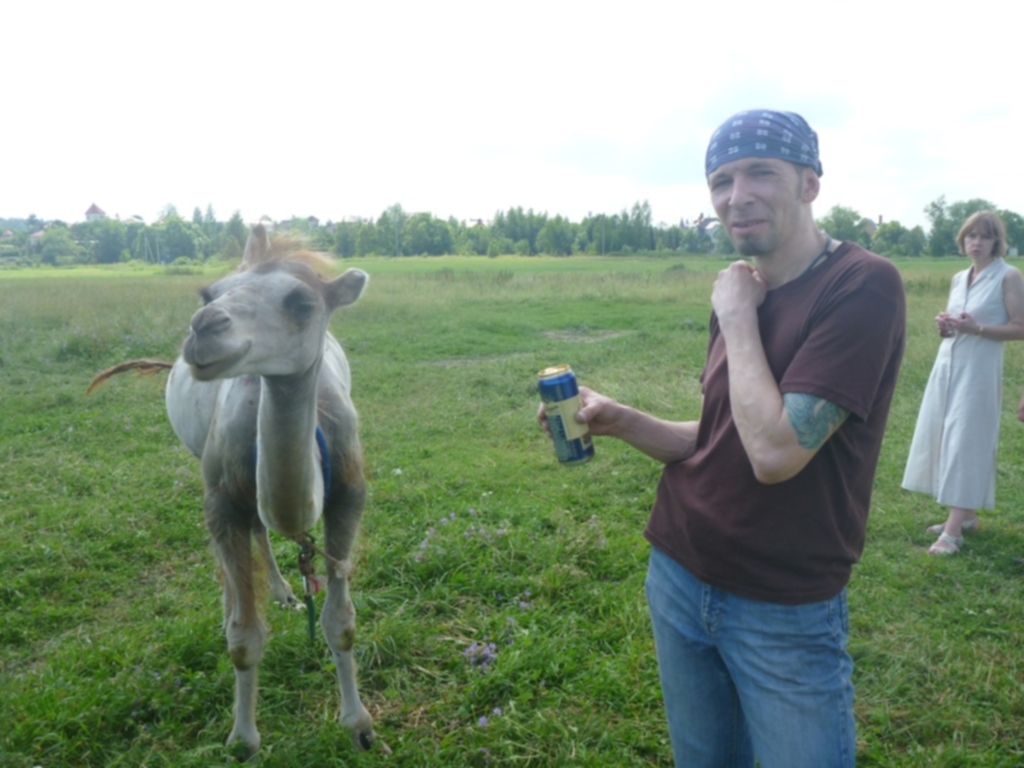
953 453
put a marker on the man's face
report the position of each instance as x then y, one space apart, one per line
759 201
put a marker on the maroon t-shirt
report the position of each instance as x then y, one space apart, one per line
836 332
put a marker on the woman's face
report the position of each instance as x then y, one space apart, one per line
978 245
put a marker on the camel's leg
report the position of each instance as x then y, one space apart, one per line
338 620
280 590
246 634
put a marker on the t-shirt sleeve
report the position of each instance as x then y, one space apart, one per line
854 338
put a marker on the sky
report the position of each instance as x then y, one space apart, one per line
341 109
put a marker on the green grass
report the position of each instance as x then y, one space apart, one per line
111 651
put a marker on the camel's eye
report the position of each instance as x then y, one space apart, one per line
300 305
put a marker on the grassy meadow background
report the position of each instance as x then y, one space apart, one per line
111 649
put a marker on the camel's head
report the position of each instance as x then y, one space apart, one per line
269 319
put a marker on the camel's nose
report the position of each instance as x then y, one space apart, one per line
210 320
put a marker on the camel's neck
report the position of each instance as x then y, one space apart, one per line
289 480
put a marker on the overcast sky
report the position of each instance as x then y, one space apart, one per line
343 108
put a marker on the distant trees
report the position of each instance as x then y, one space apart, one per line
722 242
179 238
423 235
943 229
391 228
846 224
893 239
106 241
396 232
110 240
471 239
556 237
515 231
233 236
519 228
1014 229
58 247
346 237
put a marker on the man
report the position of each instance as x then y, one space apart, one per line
763 503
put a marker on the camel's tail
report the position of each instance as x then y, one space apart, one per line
145 366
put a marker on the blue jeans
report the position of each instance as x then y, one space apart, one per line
743 678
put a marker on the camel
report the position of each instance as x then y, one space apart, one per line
261 395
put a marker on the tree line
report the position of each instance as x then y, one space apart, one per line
107 241
174 239
516 231
890 238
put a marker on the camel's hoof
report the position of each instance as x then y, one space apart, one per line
242 751
243 743
283 595
365 740
360 725
290 602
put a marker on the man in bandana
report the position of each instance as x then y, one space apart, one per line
763 503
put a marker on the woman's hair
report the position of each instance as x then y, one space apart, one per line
987 224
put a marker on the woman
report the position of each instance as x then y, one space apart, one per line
953 453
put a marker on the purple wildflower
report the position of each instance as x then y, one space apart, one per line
480 655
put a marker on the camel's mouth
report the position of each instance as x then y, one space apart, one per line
216 368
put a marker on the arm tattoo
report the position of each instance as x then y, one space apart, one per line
813 418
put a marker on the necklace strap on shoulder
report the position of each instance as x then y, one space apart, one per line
825 253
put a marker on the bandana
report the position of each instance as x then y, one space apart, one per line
763 133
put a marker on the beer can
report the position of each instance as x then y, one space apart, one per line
561 397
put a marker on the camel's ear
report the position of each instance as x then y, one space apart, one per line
257 247
345 289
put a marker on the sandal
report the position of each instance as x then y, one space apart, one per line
967 526
946 545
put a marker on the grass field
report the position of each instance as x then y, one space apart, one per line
111 650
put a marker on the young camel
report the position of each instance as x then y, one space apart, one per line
258 377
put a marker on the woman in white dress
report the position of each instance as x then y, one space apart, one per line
953 453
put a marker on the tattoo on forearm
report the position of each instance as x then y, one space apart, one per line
812 418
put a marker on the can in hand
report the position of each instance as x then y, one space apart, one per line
561 397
